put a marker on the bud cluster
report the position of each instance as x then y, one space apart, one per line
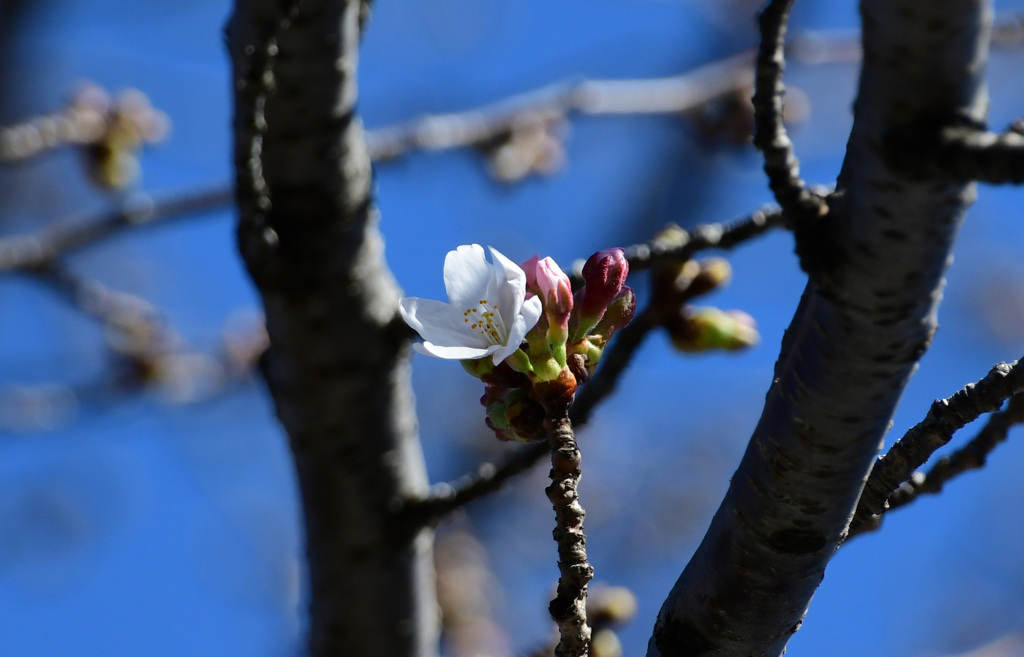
562 349
691 328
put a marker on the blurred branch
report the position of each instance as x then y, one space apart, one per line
668 95
945 418
111 131
90 118
990 157
147 352
1008 645
679 94
96 300
971 456
38 250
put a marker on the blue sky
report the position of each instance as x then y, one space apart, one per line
143 527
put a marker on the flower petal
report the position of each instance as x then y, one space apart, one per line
455 353
510 283
522 323
467 275
440 323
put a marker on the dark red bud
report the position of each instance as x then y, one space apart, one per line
604 274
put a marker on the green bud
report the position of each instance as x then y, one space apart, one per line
703 329
478 367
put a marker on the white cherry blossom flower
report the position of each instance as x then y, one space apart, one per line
487 313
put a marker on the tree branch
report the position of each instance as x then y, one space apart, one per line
683 245
971 456
568 609
800 204
337 368
861 326
946 417
39 249
969 154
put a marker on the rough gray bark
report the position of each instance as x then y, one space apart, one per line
865 319
338 362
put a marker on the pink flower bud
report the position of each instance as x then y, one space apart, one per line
556 292
530 269
545 279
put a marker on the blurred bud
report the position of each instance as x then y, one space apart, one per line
670 237
605 643
604 274
674 284
532 145
702 329
611 605
116 131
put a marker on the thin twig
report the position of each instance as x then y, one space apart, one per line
971 456
945 417
568 609
97 300
800 204
682 245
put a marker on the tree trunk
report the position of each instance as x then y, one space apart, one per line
338 365
862 324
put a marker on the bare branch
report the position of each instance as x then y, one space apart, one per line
568 609
337 369
682 245
800 204
851 347
971 456
945 418
989 157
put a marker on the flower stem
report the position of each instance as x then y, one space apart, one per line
568 609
